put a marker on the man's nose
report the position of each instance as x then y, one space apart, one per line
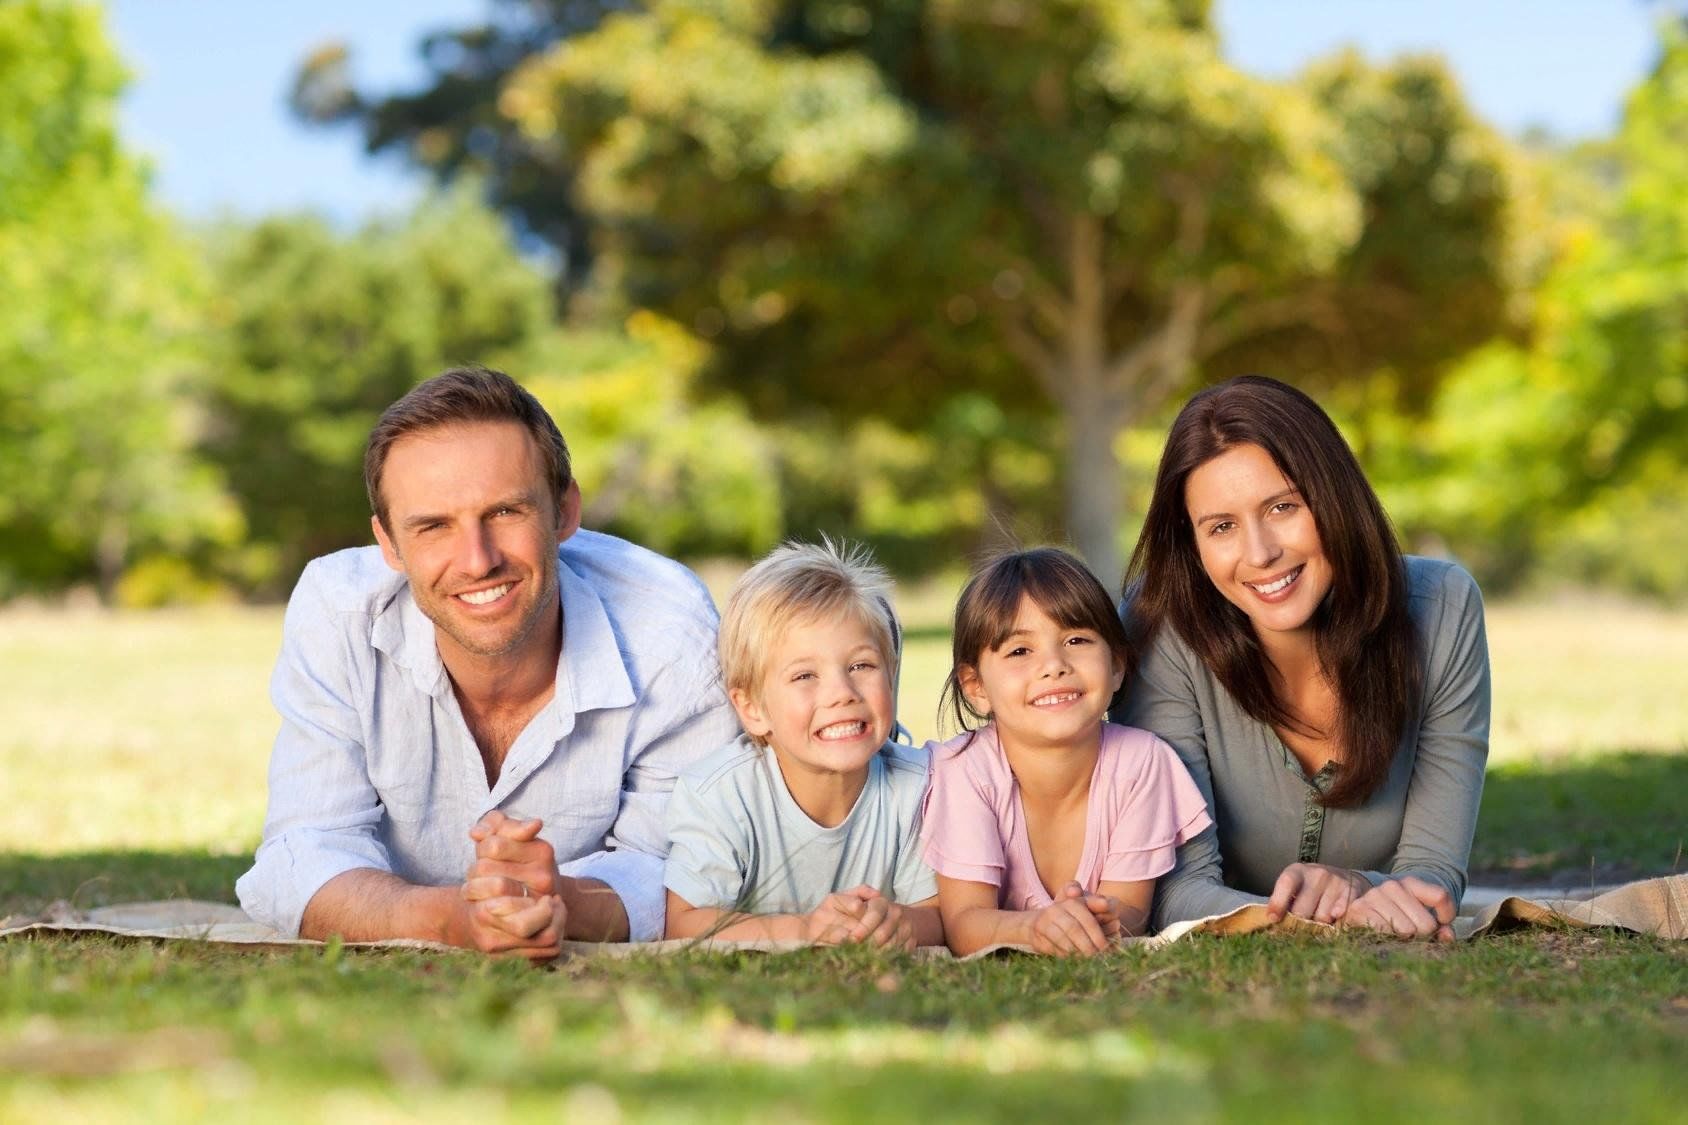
479 552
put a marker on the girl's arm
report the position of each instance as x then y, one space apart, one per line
972 922
1128 904
928 922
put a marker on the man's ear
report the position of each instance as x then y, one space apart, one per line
750 714
568 511
389 550
972 688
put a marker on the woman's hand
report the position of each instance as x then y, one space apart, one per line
1317 891
1408 907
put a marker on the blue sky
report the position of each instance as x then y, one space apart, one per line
207 103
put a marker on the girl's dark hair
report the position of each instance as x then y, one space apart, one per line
1366 641
984 615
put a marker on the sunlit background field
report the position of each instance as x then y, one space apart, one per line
151 730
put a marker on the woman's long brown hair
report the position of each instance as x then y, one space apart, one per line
1365 639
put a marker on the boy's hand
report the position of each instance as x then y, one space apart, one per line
831 922
1068 926
883 923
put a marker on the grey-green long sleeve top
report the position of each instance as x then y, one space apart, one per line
1265 810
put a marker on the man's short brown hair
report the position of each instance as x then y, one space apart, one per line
464 394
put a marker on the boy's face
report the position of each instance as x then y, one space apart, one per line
824 703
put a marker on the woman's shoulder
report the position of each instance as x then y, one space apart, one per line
1441 594
1440 579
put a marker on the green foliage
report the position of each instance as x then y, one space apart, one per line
1562 458
98 326
316 333
1073 207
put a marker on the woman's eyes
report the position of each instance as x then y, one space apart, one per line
1220 527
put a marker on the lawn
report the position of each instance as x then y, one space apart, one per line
133 757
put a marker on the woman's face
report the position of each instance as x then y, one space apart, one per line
1257 540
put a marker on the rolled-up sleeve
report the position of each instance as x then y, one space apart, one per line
323 814
1162 700
1440 817
684 716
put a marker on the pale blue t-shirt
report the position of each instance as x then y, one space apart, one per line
738 840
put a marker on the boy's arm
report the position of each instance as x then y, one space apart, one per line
928 922
828 924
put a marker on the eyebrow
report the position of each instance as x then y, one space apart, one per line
1272 499
515 500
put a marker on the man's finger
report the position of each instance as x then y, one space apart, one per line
487 825
483 888
522 830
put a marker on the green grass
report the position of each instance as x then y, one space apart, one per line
133 762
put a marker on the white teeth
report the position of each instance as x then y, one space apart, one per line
1274 587
841 730
1054 698
483 597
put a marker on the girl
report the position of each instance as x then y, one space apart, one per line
1330 697
1047 826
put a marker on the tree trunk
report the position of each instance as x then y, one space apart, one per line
1094 494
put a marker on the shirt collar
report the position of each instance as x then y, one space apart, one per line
591 675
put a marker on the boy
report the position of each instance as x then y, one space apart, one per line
805 828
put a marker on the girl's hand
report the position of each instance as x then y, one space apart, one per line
1315 890
1408 907
1069 926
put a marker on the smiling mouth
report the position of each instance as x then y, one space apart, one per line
487 596
837 732
1277 585
1055 698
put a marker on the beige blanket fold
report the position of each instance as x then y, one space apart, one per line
1652 906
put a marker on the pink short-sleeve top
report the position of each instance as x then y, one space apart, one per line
1143 804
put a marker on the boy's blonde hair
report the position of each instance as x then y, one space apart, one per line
800 582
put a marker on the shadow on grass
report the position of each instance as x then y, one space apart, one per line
29 882
1607 818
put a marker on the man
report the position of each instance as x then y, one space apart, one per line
491 662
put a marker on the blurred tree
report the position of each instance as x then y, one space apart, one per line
454 124
1073 204
99 311
1562 456
316 333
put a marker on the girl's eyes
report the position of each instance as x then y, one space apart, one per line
1080 639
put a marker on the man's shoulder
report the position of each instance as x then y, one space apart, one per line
353 581
643 591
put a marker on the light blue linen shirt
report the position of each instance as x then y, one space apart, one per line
374 766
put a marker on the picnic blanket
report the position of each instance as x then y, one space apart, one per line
1653 906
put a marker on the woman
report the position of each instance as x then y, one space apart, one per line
1330 697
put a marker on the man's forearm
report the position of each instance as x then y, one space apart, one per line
595 912
370 905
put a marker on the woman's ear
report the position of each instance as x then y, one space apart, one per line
750 714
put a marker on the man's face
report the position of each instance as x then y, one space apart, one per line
475 530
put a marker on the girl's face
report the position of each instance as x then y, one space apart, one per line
1045 685
1257 540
